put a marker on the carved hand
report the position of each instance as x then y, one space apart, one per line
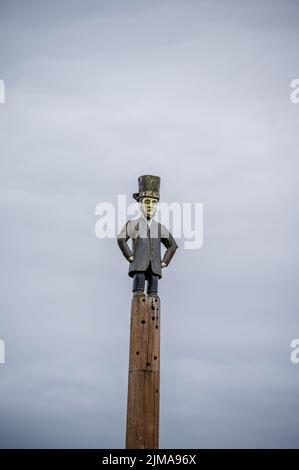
131 258
163 265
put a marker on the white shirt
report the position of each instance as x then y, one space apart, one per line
148 221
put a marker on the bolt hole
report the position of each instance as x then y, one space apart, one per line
143 300
156 300
153 308
155 357
137 353
156 327
148 364
157 391
153 318
143 321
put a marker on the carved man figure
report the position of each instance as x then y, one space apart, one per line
147 235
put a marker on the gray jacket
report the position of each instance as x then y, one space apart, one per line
146 245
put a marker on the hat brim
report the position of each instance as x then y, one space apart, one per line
148 193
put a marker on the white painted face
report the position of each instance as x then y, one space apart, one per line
149 206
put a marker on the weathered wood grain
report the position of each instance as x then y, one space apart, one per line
144 374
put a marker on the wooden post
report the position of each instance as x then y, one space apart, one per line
144 374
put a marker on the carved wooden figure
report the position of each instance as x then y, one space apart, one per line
144 362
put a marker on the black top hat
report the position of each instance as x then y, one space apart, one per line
148 185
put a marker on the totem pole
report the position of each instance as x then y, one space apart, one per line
144 361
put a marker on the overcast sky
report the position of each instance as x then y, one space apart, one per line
98 93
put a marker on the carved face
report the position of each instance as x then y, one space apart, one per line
149 206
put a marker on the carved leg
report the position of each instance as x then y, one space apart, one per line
152 285
138 283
